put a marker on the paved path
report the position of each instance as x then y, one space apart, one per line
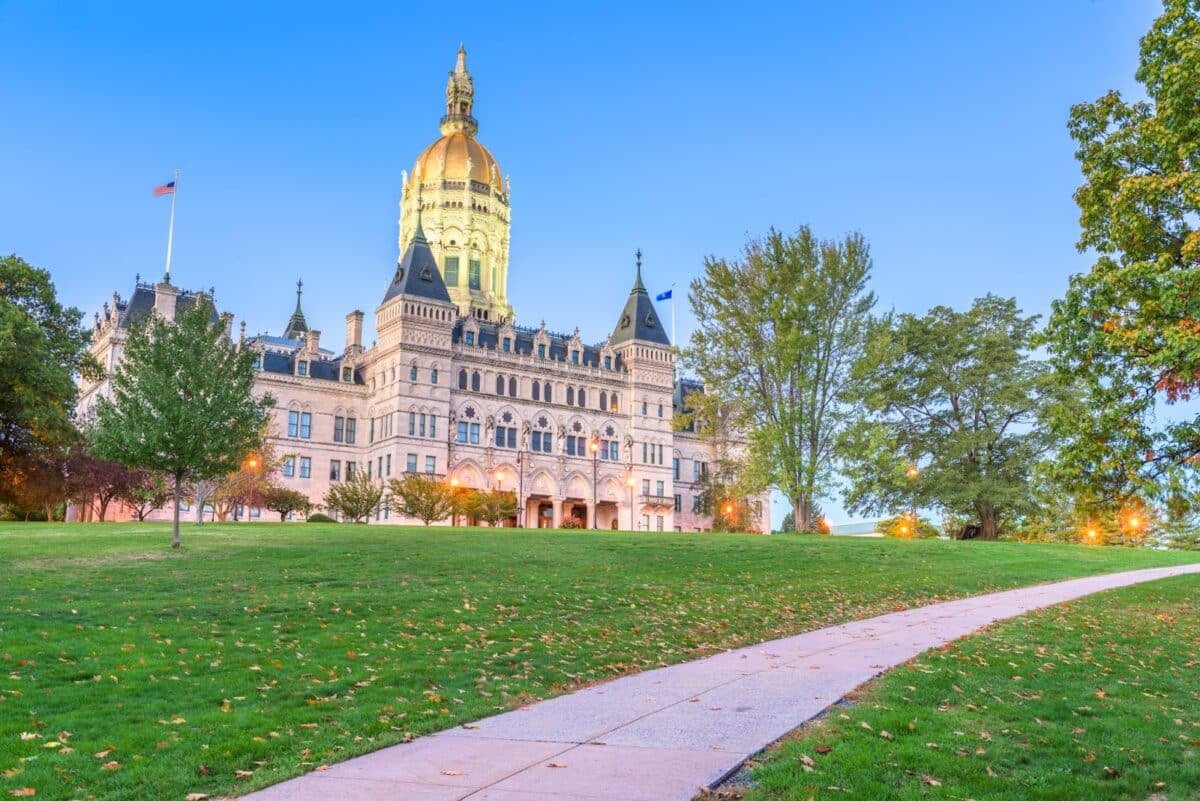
663 734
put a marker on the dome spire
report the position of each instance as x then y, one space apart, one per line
297 325
460 98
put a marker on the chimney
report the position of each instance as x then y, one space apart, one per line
354 322
312 341
165 296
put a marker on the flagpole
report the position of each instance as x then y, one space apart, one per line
171 229
674 344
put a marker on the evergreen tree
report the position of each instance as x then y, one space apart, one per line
182 402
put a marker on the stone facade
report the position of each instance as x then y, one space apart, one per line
453 388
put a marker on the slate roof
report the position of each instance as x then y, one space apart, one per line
319 369
137 309
638 320
488 336
417 274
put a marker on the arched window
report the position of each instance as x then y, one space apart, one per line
475 381
582 397
570 396
462 379
512 387
615 406
499 385
412 373
603 401
535 391
433 375
547 392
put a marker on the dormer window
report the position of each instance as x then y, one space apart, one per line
470 338
348 375
506 345
302 368
608 362
257 363
574 357
541 351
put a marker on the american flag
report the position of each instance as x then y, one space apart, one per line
166 189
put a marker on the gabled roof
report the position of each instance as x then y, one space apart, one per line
638 320
417 274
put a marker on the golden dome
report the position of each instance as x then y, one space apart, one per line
458 156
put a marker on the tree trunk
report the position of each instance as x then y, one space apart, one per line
802 509
102 503
175 530
989 521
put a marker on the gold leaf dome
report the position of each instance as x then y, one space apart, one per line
458 156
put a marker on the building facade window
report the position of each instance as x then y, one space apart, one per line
433 375
351 427
470 337
582 397
675 468
541 351
302 368
547 392
506 437
293 429
678 503
473 274
335 469
462 379
305 467
660 410
475 382
645 486
348 374
257 363
412 373
289 466
603 401
574 357
451 271
535 391
506 345
608 362
570 396
410 463
542 442
339 429
430 465
412 424
388 462
512 387
658 488
499 385
351 470
467 433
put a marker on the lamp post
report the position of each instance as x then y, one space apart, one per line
595 448
629 483
913 473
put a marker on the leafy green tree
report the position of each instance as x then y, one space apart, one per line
908 527
355 498
787 524
182 402
284 501
1128 331
423 498
777 335
490 506
726 490
953 403
42 350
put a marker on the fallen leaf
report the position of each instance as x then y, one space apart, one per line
195 797
113 765
243 774
932 782
807 760
823 749
23 792
866 726
887 735
102 754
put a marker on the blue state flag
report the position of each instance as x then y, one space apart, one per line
663 296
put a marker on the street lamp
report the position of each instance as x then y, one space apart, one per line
594 445
629 483
500 474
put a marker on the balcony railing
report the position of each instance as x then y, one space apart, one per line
657 500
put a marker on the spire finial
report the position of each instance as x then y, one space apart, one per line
299 289
637 283
460 98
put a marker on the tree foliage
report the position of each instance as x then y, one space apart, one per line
42 350
182 402
355 498
953 402
148 494
96 483
778 332
423 498
727 489
490 506
283 500
1127 334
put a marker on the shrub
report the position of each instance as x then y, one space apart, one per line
571 522
906 527
317 517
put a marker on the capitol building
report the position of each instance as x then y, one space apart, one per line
453 387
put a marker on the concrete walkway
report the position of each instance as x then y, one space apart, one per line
664 734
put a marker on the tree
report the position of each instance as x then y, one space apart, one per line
953 402
355 498
148 493
787 524
99 481
285 501
1128 331
490 506
42 350
778 333
423 498
38 482
182 402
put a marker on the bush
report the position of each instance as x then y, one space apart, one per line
317 517
902 527
571 522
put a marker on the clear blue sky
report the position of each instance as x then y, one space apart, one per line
938 130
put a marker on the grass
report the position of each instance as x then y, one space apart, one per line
1095 699
259 652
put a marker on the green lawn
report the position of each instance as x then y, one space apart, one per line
1097 699
259 651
